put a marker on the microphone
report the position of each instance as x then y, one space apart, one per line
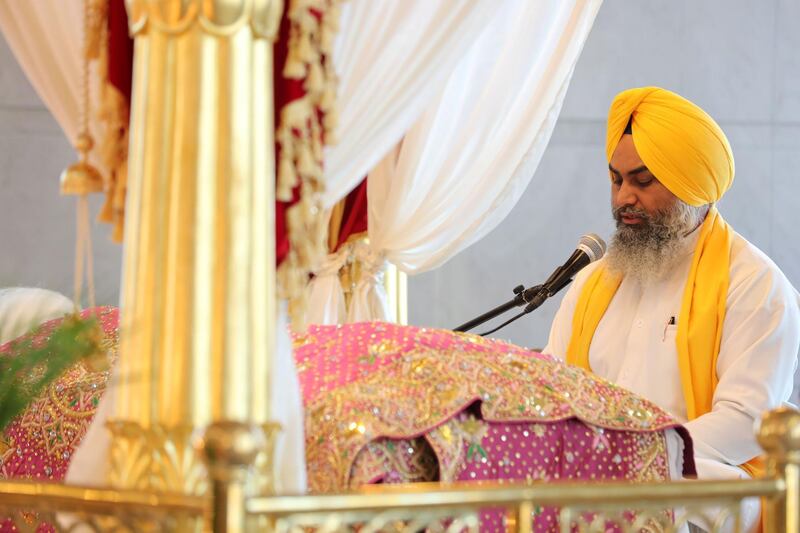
590 248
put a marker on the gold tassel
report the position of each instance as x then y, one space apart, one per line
303 50
83 178
113 113
326 37
331 122
316 146
287 179
315 82
96 13
306 166
106 213
328 100
301 137
294 68
331 20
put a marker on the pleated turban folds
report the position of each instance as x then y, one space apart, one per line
679 142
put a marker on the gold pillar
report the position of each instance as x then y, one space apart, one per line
198 303
779 436
396 282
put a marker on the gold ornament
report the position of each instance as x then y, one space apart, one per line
82 177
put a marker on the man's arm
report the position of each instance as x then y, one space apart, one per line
756 363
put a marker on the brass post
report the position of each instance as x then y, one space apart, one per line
198 301
525 517
779 436
229 450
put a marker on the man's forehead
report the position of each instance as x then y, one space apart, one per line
625 157
641 169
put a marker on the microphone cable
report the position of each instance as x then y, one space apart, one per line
504 324
528 308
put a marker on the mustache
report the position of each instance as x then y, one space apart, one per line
619 212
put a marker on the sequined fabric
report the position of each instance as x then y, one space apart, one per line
369 381
38 444
388 403
476 450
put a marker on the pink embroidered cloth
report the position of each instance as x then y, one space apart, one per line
389 403
38 444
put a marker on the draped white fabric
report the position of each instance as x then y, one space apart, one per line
23 308
392 58
369 301
46 37
465 162
325 290
287 410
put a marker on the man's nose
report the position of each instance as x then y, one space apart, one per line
626 195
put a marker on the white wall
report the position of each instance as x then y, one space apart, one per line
737 59
37 225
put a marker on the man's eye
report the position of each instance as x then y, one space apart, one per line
644 182
616 180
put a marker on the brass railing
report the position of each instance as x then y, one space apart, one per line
228 448
71 508
407 508
579 504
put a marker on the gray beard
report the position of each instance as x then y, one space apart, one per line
649 251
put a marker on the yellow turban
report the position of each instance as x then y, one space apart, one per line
679 142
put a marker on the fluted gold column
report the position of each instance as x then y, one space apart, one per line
198 304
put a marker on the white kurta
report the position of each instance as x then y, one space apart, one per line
634 346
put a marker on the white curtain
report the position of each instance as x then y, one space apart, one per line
369 301
392 58
465 162
46 37
325 293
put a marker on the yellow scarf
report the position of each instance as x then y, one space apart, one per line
699 323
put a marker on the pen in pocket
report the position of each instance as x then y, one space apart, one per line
670 322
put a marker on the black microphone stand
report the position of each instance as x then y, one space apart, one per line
523 297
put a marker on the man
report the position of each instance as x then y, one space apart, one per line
682 310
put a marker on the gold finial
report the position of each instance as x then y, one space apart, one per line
229 448
82 177
779 434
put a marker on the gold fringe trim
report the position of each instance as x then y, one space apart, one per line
114 153
113 114
305 126
95 28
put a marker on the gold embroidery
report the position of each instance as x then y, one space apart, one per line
426 386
